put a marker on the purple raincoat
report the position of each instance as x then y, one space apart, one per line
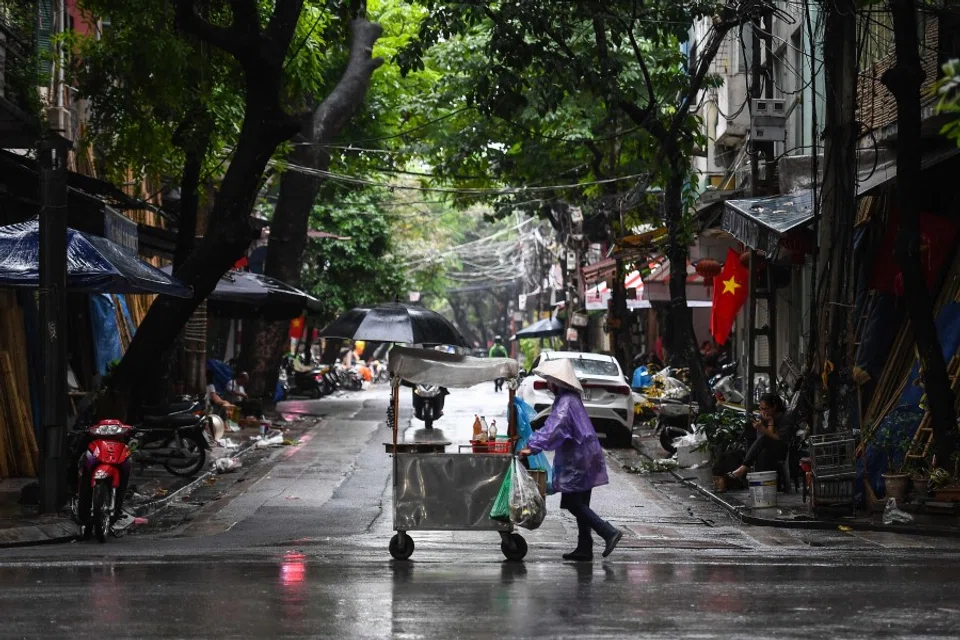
578 464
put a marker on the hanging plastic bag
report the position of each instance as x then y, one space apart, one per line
525 414
527 507
501 506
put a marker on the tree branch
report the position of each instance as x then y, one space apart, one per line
721 30
246 19
338 107
188 21
284 21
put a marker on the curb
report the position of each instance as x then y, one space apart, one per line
738 511
65 529
60 531
152 507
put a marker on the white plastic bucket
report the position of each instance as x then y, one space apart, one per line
763 488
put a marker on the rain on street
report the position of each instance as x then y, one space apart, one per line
301 550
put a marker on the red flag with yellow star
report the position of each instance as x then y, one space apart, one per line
296 328
729 294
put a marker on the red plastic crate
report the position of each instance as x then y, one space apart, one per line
495 446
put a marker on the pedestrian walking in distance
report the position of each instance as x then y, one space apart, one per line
578 466
498 351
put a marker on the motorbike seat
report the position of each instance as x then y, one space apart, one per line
170 421
167 409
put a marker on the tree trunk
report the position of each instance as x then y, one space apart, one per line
681 319
264 341
195 152
904 81
261 54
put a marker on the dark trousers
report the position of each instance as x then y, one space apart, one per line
498 384
251 408
578 504
766 453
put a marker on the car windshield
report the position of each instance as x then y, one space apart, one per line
584 367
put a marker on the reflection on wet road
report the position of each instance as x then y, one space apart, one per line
301 594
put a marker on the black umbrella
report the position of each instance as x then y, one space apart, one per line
395 322
243 294
541 329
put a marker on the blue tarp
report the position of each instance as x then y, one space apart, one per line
904 420
94 264
106 334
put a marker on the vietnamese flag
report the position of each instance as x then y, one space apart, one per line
296 328
729 294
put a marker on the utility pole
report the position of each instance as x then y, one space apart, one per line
52 152
839 194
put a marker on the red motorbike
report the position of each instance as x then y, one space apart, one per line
102 475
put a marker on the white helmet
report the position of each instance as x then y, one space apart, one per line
216 427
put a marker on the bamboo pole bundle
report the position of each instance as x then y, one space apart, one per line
123 329
17 437
902 358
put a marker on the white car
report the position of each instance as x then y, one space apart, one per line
606 394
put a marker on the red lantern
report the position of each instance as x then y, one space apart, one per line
745 258
708 268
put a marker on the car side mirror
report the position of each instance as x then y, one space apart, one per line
522 374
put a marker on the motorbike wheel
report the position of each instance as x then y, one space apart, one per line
196 456
314 392
102 507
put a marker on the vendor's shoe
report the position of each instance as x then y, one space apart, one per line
612 543
579 556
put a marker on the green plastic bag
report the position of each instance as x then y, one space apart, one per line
501 506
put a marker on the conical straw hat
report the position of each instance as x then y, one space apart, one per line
560 372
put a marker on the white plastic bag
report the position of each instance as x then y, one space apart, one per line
225 465
892 514
527 507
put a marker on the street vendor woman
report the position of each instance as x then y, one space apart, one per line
578 466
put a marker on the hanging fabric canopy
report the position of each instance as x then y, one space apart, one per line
94 264
243 294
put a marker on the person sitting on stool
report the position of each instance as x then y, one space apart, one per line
238 396
774 430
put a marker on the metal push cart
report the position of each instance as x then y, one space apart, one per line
438 491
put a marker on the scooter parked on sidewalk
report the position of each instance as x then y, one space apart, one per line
174 437
311 381
103 471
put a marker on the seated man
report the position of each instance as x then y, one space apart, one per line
774 431
237 395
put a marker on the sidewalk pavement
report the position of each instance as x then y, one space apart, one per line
152 489
792 511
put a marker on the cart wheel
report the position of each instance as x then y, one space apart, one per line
514 547
398 552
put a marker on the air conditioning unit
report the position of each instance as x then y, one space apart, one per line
768 120
60 120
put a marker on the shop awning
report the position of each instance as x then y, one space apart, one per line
94 264
657 286
599 271
759 223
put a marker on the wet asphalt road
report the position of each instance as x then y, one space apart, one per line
300 551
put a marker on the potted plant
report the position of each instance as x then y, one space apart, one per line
893 441
944 484
723 433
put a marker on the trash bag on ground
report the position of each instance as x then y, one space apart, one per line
527 507
501 506
225 465
525 414
893 514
